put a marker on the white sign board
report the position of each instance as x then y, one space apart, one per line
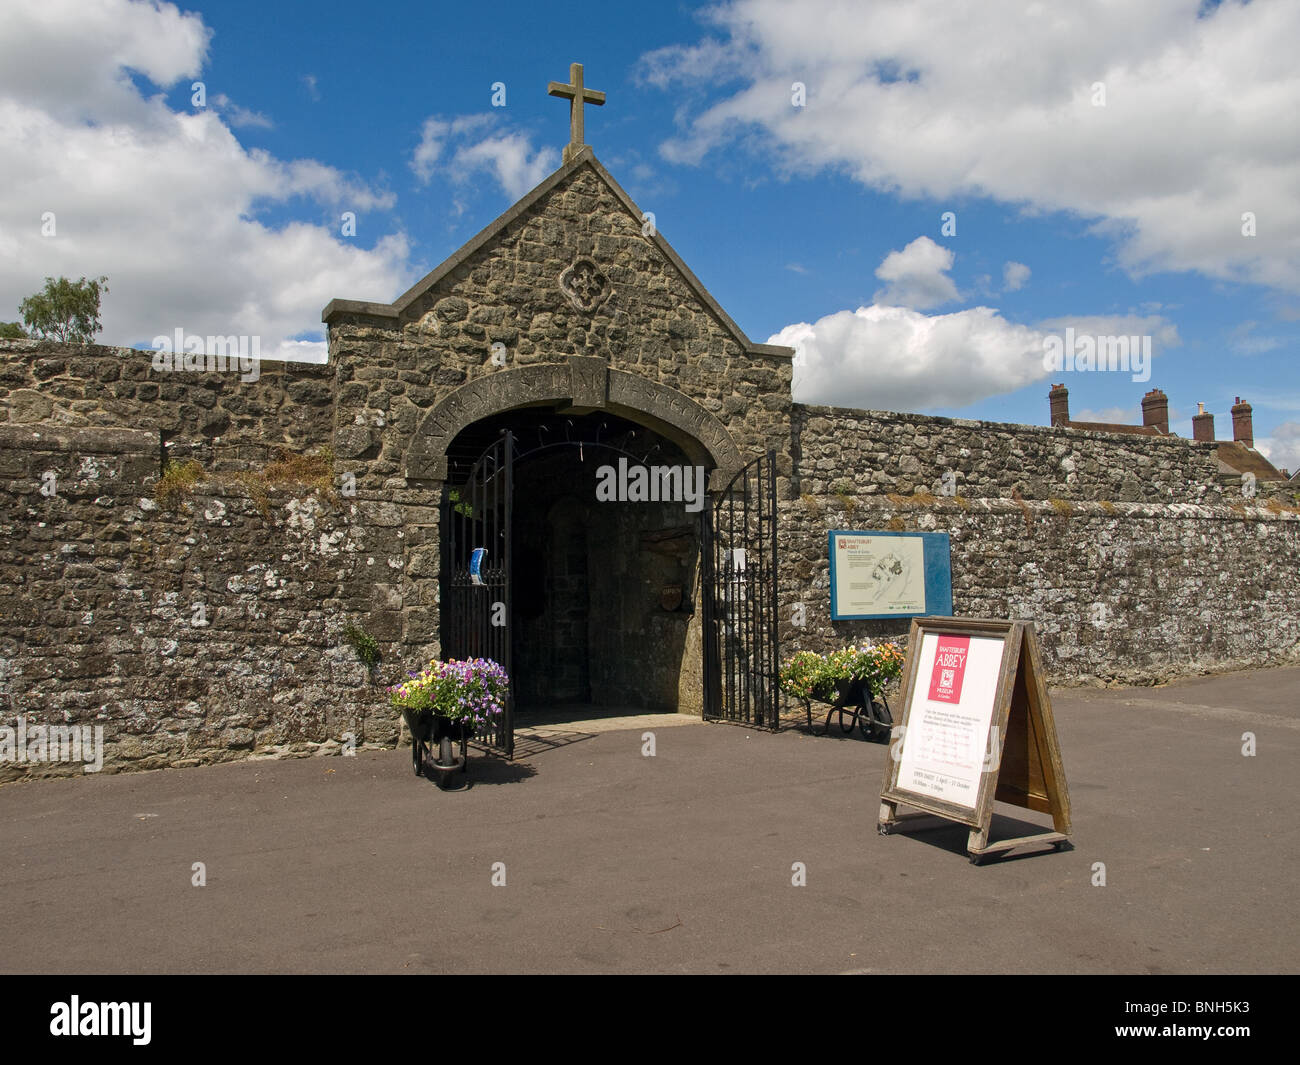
946 743
880 575
977 729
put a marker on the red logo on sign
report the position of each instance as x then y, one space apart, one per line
843 544
949 668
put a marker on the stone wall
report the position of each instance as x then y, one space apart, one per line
215 629
1136 558
1127 592
873 453
193 634
213 416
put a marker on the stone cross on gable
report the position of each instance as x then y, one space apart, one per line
577 96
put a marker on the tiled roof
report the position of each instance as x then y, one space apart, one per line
1116 427
1239 458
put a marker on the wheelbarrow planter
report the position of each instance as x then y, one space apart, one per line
432 740
856 704
445 704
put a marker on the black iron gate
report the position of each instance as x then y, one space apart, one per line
740 604
476 561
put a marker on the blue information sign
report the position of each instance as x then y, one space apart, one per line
877 574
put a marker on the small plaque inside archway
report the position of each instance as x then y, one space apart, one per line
976 727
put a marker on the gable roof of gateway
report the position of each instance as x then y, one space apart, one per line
586 157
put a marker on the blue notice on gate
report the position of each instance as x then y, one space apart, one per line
476 565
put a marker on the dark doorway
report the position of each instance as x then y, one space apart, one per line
604 593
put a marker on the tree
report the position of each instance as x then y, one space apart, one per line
66 310
12 331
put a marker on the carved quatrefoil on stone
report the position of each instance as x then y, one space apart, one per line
585 285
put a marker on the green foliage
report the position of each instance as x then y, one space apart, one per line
66 310
472 691
287 472
808 674
460 507
843 491
177 482
12 331
364 644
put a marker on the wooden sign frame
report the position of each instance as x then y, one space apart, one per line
1023 765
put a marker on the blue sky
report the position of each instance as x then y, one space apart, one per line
816 223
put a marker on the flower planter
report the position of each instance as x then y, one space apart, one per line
428 731
446 704
420 722
857 705
850 681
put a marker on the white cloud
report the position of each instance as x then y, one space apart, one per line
895 358
69 59
1163 333
917 276
237 116
1112 415
1198 126
1014 276
165 203
1244 342
506 156
309 83
434 135
1282 446
299 351
509 159
890 356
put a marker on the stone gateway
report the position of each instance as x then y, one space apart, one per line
220 613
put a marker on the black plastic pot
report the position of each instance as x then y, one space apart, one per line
420 722
452 730
428 727
848 692
435 735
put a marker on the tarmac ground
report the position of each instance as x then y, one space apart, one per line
610 861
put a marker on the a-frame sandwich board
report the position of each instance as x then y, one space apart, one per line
976 727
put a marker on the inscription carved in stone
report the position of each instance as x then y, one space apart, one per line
584 381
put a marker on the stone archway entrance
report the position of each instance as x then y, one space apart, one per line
603 594
580 384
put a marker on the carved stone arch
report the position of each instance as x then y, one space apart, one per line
585 384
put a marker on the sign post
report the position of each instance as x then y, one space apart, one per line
976 727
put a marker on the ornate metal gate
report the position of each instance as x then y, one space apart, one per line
476 561
740 605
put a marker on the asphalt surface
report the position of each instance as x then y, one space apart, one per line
681 862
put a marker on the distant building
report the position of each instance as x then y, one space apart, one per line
1236 457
